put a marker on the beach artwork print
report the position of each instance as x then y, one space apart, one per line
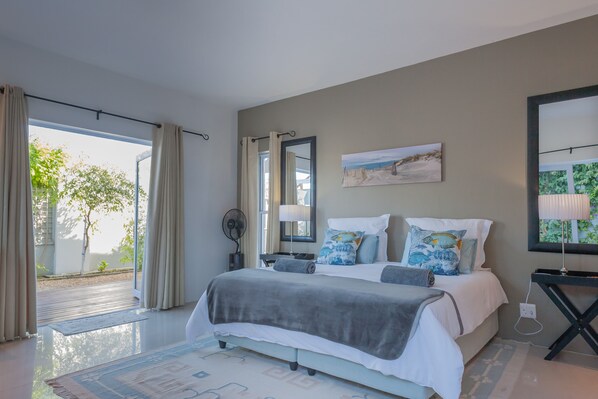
417 164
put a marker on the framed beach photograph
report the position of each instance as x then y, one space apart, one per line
417 164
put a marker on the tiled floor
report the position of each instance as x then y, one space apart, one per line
25 364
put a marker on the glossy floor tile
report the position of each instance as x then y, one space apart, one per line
569 375
24 365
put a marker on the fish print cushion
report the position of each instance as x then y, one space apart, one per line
438 251
340 247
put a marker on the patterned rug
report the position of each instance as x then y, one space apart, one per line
204 371
493 372
92 323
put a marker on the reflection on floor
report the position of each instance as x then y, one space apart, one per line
25 364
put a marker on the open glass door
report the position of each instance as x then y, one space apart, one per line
142 179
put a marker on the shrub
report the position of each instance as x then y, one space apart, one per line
41 269
103 265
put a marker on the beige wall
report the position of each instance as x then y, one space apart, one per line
473 102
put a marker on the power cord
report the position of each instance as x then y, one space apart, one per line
529 288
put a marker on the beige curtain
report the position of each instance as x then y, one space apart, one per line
17 256
249 200
163 263
290 188
273 232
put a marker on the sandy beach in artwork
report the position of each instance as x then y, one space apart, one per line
419 168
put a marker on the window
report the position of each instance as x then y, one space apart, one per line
264 176
44 212
571 178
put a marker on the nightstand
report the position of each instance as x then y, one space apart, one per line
269 259
549 280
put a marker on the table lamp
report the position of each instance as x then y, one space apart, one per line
294 213
564 207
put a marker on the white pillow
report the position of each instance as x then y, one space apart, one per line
371 225
476 228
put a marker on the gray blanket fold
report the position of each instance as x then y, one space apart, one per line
407 276
295 265
375 318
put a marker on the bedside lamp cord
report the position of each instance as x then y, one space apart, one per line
529 288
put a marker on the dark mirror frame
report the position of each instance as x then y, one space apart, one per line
533 166
312 170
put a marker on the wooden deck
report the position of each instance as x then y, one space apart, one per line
73 303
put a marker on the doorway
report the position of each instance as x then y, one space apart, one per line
90 199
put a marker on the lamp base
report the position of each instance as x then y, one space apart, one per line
563 268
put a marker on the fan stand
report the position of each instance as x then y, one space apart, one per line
234 221
236 261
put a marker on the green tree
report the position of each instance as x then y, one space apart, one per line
46 166
95 191
585 181
127 243
585 177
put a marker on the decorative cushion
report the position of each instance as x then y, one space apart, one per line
468 252
370 225
340 247
438 251
476 229
366 253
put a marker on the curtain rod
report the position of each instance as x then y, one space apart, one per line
570 149
292 133
99 112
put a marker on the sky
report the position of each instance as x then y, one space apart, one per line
393 154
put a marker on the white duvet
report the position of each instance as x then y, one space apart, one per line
431 358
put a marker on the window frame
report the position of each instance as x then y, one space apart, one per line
263 156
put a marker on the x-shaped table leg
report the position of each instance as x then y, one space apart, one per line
580 322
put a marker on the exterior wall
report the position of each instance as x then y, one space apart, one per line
103 243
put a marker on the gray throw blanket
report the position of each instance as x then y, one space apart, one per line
375 318
407 276
295 265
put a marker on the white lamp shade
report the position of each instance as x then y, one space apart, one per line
564 206
294 213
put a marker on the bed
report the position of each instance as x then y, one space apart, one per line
451 331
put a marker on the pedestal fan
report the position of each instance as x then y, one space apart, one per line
234 224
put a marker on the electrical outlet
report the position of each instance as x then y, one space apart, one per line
527 310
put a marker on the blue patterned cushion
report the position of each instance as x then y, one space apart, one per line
438 251
340 247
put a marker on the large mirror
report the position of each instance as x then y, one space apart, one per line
563 159
298 186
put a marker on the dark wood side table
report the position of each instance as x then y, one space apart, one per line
269 259
549 280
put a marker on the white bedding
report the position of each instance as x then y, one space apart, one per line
431 357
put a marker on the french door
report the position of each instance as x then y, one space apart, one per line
142 177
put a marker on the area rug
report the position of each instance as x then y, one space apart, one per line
493 372
92 323
204 371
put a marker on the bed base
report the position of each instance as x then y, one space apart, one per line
470 345
273 350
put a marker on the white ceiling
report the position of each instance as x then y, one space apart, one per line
248 52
